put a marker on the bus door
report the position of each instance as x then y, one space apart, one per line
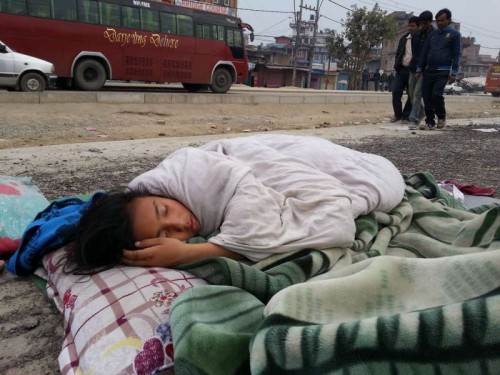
235 43
203 37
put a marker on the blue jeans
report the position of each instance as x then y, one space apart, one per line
433 85
399 85
364 85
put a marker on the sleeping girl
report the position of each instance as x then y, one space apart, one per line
255 196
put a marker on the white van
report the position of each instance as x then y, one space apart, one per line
23 72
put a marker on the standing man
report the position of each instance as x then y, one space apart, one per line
415 85
383 81
390 80
402 67
376 79
439 63
365 77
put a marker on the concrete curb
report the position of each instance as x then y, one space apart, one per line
204 98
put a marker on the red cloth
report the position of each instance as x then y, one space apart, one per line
472 189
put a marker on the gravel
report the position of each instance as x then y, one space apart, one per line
461 153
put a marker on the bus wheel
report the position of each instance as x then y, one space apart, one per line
90 75
194 87
32 82
221 81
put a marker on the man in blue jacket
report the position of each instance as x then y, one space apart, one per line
439 62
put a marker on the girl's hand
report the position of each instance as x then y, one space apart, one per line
157 252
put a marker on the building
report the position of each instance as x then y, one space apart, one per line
229 7
389 48
473 64
324 67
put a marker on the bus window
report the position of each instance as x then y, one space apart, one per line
88 11
13 6
234 38
230 38
185 25
203 31
110 14
168 24
238 40
217 32
39 8
235 43
131 17
64 9
220 32
150 20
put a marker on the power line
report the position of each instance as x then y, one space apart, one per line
266 11
421 10
331 19
333 2
387 7
276 24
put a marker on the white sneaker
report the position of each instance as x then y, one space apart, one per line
441 123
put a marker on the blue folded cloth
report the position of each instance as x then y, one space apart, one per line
52 228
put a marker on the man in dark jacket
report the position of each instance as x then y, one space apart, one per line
383 81
376 79
439 62
415 86
390 80
402 68
365 77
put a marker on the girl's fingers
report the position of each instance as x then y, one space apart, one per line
137 255
149 242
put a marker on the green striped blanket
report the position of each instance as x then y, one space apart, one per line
419 293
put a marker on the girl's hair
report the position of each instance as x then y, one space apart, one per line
104 231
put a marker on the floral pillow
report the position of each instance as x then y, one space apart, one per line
116 321
20 202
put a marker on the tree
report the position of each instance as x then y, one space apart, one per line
364 31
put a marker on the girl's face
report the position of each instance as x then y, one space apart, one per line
154 217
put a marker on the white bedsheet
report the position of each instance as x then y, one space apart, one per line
276 193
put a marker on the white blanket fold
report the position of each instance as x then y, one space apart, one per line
276 193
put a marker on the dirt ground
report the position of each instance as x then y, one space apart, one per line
116 142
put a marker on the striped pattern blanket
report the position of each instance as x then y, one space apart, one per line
418 292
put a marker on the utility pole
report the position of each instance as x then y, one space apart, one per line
313 45
298 20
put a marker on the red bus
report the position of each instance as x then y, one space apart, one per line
91 41
493 80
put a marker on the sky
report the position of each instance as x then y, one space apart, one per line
478 18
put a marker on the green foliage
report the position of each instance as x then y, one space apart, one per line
364 30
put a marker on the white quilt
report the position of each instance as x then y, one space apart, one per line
275 193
